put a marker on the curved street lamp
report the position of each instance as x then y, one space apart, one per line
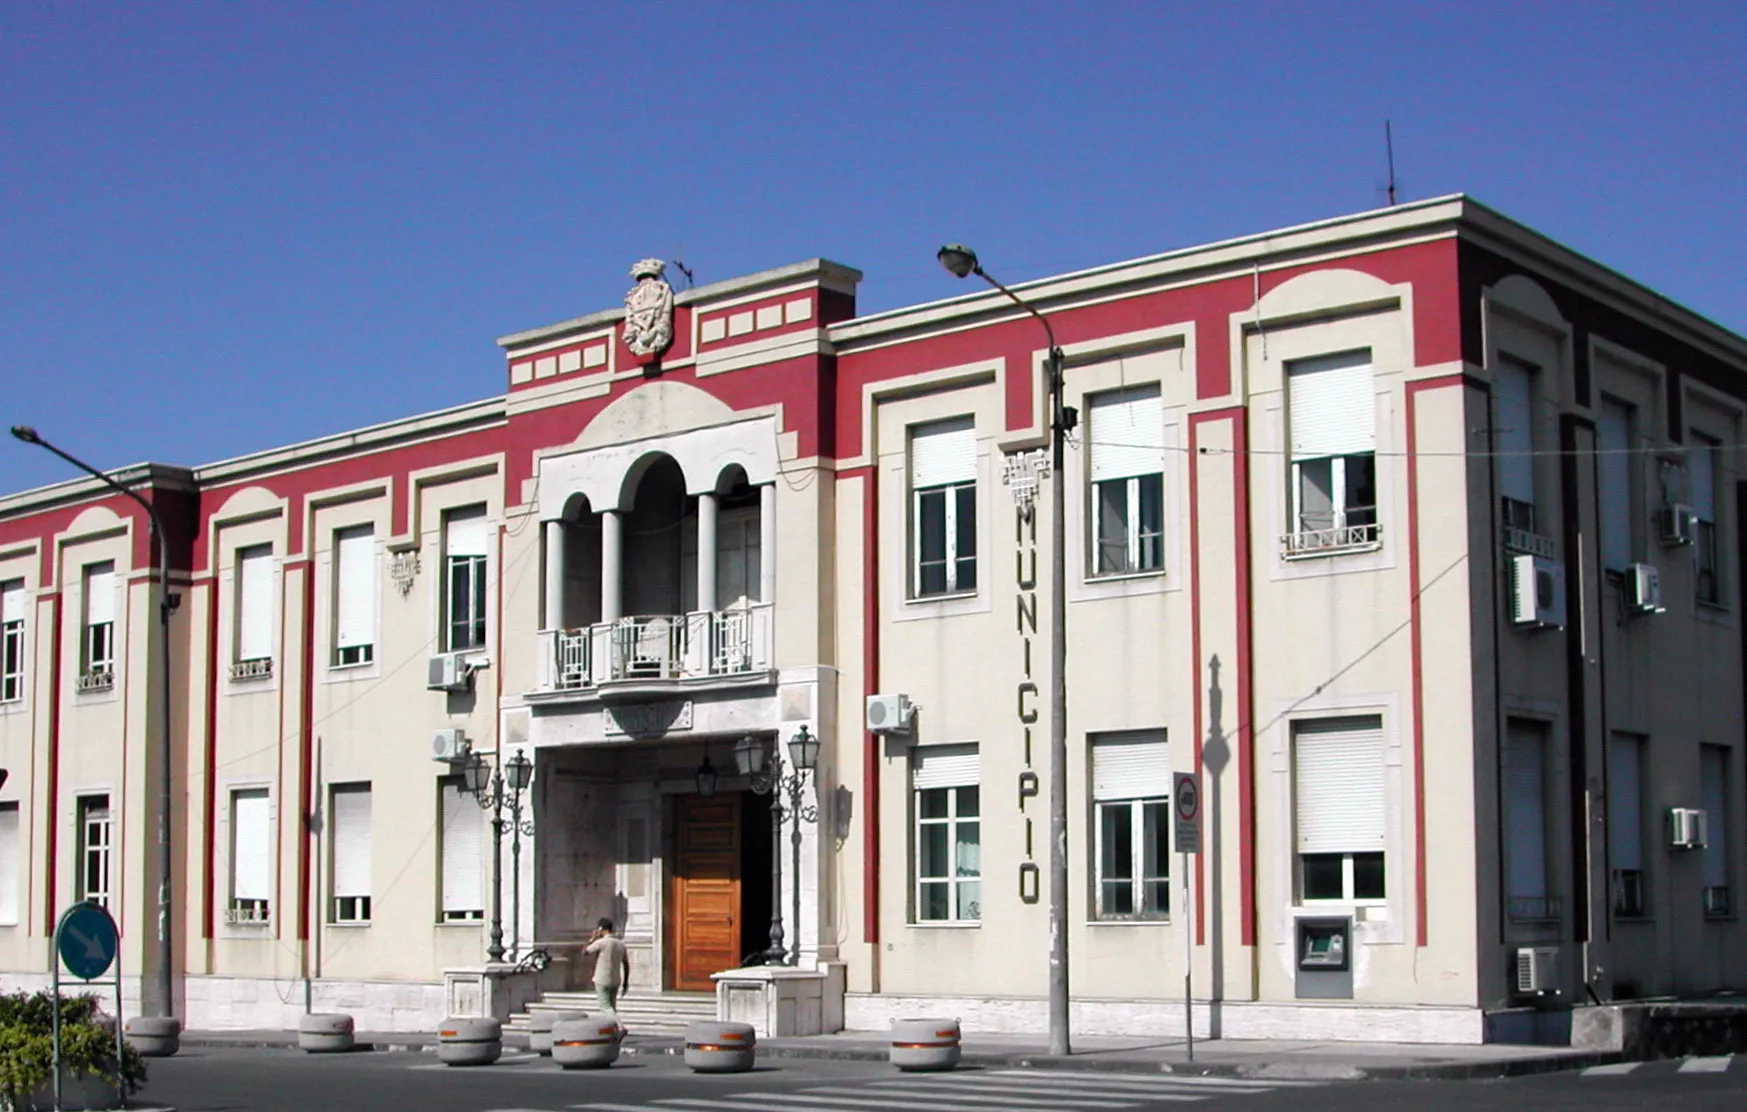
166 606
962 262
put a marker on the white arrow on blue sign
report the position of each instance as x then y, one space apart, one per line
86 939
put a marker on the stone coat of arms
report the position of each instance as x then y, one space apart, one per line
649 310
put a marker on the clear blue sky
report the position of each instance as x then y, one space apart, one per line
229 226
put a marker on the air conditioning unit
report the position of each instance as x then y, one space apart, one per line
450 745
1679 523
1644 589
1537 970
1687 828
1537 592
448 672
889 714
1717 899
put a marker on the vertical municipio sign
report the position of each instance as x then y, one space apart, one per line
1021 474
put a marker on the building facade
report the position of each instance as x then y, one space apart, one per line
1413 532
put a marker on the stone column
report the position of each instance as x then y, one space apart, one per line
707 552
554 574
767 543
612 587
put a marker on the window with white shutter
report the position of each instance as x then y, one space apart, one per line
1701 463
351 853
1127 474
463 853
1513 438
1131 791
355 596
466 538
948 855
1523 772
943 491
1625 822
10 865
12 641
98 672
1714 799
1613 441
251 857
1332 416
1339 808
254 628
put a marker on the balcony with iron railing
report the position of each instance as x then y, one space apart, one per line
650 652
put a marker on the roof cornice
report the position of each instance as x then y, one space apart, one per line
72 492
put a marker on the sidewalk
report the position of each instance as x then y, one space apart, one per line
1326 1061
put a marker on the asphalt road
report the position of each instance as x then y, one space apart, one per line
287 1081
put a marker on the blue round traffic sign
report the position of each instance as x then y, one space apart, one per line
86 939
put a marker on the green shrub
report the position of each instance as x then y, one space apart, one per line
27 1045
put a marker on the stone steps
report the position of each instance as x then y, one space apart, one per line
666 1013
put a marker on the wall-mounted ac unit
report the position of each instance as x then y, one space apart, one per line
1717 899
1644 589
1687 828
1537 592
448 672
1679 523
450 745
889 714
1537 970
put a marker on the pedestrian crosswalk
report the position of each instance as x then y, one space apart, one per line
1718 1063
974 1091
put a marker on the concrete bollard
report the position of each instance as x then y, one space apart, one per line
713 1047
540 1025
471 1041
154 1036
324 1032
586 1044
925 1044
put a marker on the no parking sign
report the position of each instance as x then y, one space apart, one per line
1186 809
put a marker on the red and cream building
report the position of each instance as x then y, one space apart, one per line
1414 532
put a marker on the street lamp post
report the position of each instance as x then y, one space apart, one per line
166 606
493 791
765 773
962 262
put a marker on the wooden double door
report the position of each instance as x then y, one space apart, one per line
718 881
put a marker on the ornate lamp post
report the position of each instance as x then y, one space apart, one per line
494 791
962 262
765 773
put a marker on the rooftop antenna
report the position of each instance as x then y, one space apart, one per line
1389 148
678 250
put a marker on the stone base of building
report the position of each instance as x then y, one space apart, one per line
251 1003
104 990
1301 1020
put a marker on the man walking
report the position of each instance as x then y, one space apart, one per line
612 966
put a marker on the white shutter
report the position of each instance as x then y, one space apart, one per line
1332 406
1701 466
1513 411
943 452
464 532
352 840
12 601
1713 797
1613 439
355 579
948 766
255 603
1128 433
1625 803
9 864
463 849
1338 764
1131 766
1525 815
100 593
251 846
